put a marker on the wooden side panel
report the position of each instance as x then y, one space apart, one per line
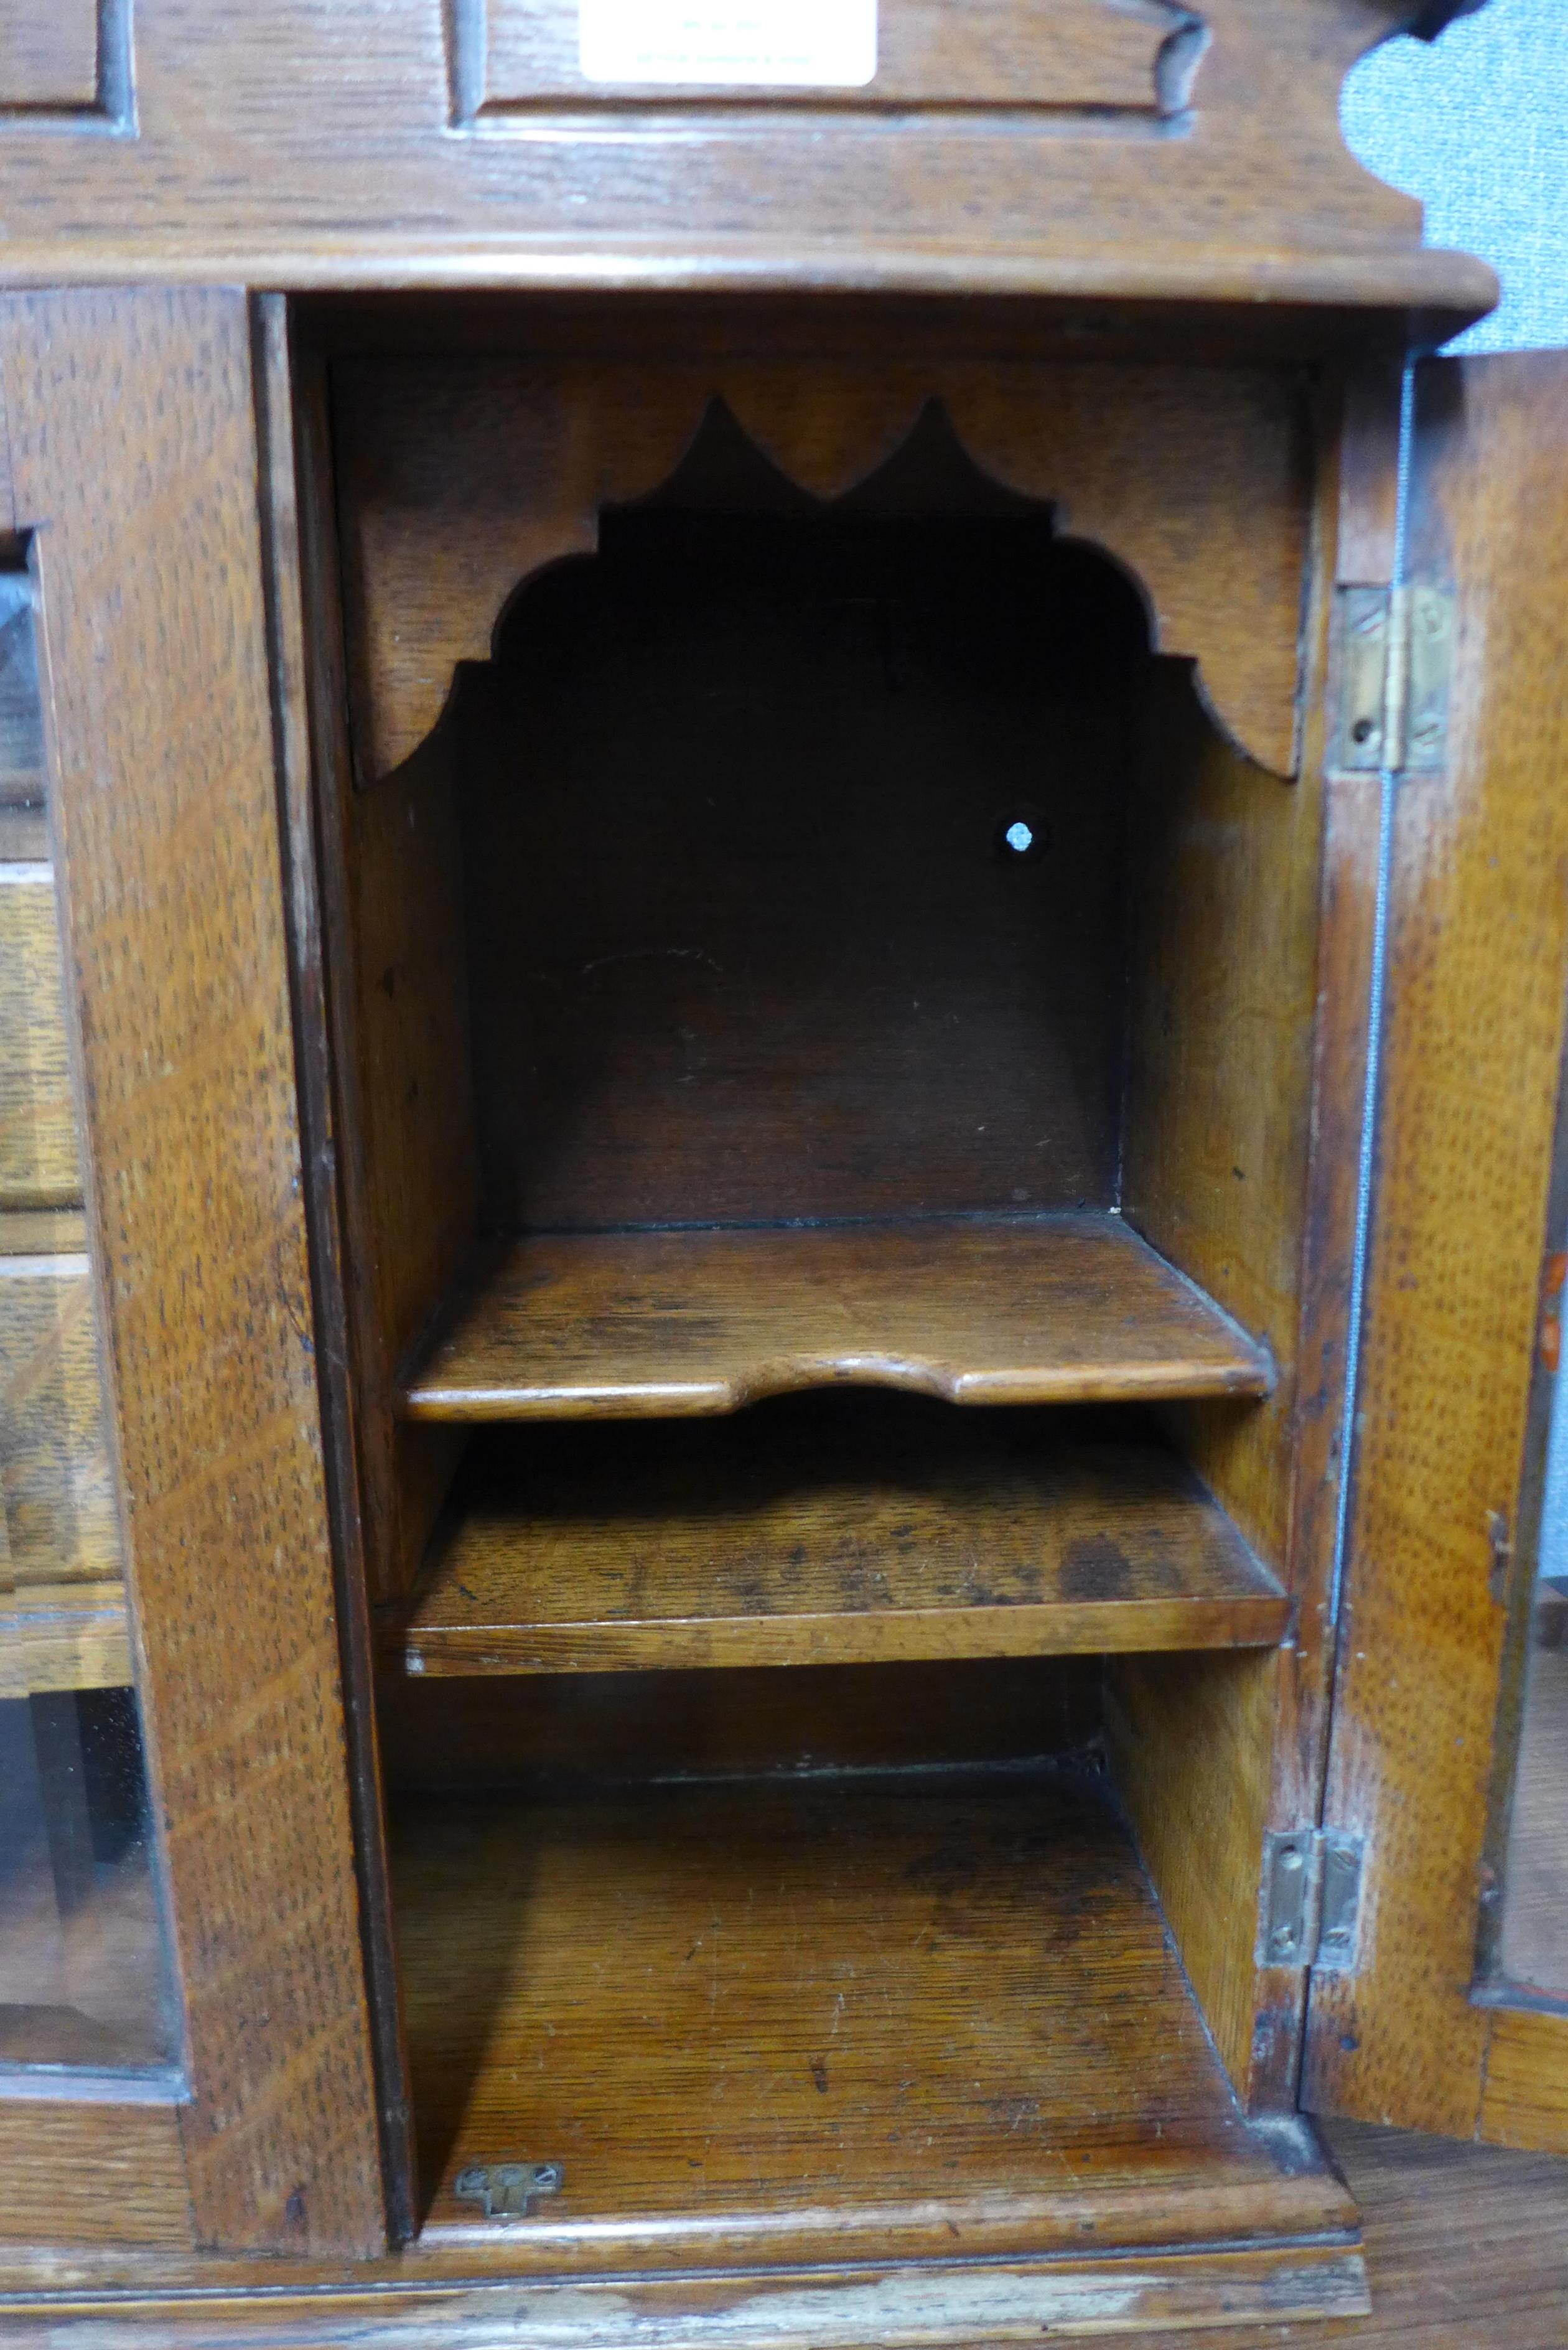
134 447
89 2172
1472 1042
1244 1111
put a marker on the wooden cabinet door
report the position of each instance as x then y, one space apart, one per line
131 494
1453 1398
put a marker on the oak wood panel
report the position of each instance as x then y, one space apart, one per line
1079 54
1046 1309
862 2309
443 1736
92 2171
38 1166
1260 1049
837 2019
406 1159
304 729
459 479
1438 2280
1524 2101
49 57
1472 1047
304 142
134 449
798 1535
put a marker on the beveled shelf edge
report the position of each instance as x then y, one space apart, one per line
796 1374
1085 1627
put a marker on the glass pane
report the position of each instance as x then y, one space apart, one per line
1534 1943
82 1977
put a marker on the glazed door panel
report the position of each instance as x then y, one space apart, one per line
133 449
1441 1556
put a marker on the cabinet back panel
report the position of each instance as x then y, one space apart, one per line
748 937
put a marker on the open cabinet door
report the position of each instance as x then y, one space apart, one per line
1420 2027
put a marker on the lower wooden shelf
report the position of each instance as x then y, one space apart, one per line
842 1529
782 2023
1069 1308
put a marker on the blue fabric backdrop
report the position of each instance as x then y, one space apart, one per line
1476 124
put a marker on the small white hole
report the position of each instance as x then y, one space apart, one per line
1019 837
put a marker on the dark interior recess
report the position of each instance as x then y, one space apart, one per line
793 838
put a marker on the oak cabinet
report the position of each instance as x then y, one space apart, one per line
816 1050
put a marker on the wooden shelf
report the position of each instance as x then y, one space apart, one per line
775 2023
828 1530
63 1635
1039 1309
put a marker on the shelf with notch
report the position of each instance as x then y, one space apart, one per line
828 1529
1061 1308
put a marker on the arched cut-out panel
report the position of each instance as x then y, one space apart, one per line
460 477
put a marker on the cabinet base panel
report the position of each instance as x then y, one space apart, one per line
824 2020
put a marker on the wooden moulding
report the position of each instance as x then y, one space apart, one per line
830 2022
363 142
1049 1309
806 1533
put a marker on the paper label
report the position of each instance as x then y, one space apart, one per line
743 44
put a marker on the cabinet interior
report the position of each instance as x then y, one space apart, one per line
823 1016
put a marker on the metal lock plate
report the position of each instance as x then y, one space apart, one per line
509 2191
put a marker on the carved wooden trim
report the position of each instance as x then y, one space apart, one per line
458 479
1130 61
69 62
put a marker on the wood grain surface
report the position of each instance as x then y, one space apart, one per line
92 2171
1048 1309
300 142
806 1533
38 1163
442 1735
461 477
49 57
1464 2252
134 451
1473 1048
838 2019
1245 1112
61 1509
1081 54
51 1639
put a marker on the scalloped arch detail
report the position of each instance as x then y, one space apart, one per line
457 483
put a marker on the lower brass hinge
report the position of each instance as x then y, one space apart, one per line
1393 660
1310 1912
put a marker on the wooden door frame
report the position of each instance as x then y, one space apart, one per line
133 468
1473 1038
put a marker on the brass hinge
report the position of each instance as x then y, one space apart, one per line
1310 1906
1393 660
